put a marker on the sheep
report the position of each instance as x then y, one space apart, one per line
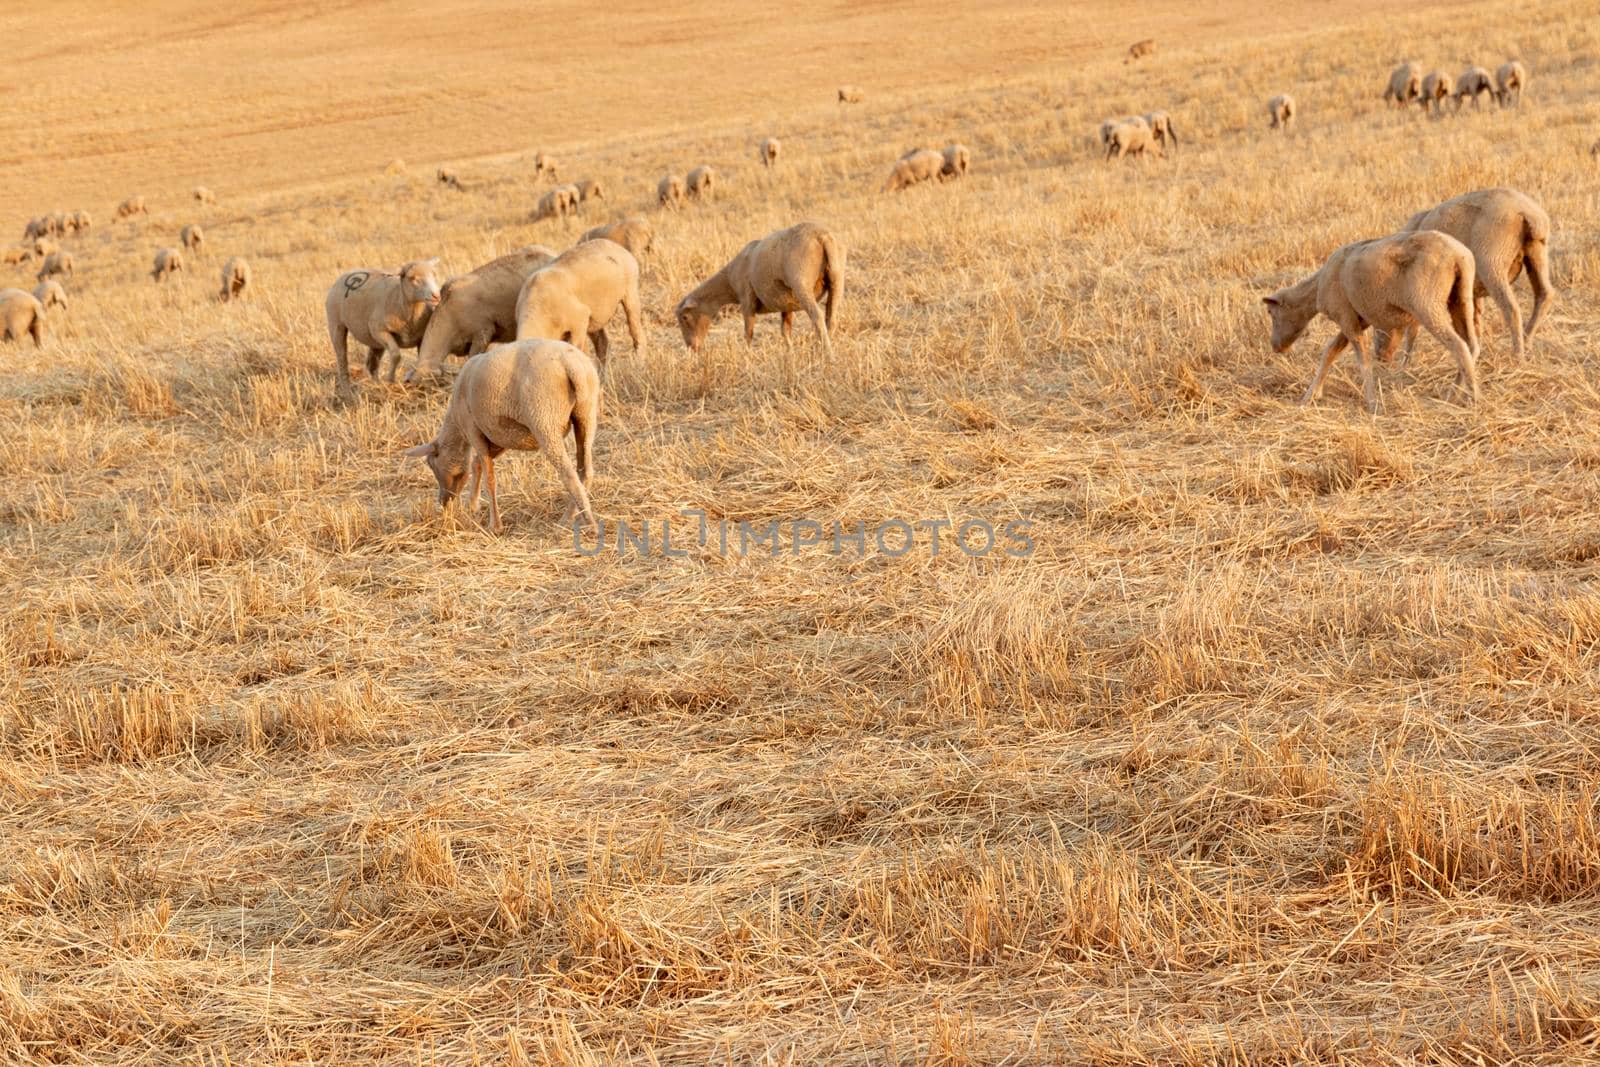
1506 230
957 162
235 278
634 234
522 396
132 206
1436 90
1132 137
21 313
192 237
784 272
1510 79
590 189
447 177
1474 82
578 292
44 248
701 183
1161 128
204 196
56 265
557 203
477 309
768 152
386 312
14 256
81 221
36 228
1405 85
572 195
916 166
396 167
669 191
544 164
1139 50
1281 110
851 94
57 223
50 294
167 261
1388 282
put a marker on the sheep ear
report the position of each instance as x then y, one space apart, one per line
427 451
1271 301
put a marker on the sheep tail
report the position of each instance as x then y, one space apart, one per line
832 272
1461 301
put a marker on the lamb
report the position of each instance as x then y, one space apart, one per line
447 177
1474 82
204 195
916 166
192 237
56 265
669 191
386 312
1510 79
784 272
544 163
1139 50
1405 85
589 189
768 152
1132 137
957 161
21 313
50 294
235 278
634 234
521 396
1388 282
1281 109
132 206
557 203
578 293
702 183
1505 230
1436 90
1162 130
851 94
477 309
168 261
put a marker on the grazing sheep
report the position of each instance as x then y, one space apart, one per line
56 265
701 184
57 223
1139 50
1506 230
578 293
386 312
558 203
1510 80
916 166
1281 110
634 234
851 94
1436 90
768 152
1474 82
50 294
1405 85
957 162
204 195
21 313
192 237
43 247
1391 283
784 272
477 309
447 177
521 396
36 228
168 261
15 256
544 164
132 206
573 196
589 189
235 278
81 221
669 191
1162 130
1132 137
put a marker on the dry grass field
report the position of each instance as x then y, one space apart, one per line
1283 746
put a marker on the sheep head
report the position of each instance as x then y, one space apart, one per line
419 282
448 462
694 321
1290 317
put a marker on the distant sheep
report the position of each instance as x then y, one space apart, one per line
204 195
702 183
35 229
477 309
544 165
669 191
168 261
590 189
395 168
521 396
572 195
558 203
81 221
192 237
1390 283
14 256
50 294
1131 137
577 294
1161 128
957 162
44 247
768 152
1405 85
1281 109
56 265
1510 80
1436 90
132 206
916 166
21 314
784 272
635 234
447 177
851 94
235 278
1474 82
1140 50
385 312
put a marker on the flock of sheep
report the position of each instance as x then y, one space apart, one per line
521 319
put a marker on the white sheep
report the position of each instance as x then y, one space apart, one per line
916 166
957 162
1391 283
447 177
1436 90
590 189
56 265
520 396
635 234
1139 50
168 261
132 206
21 314
50 294
577 294
1161 128
784 272
477 309
1405 85
544 164
204 195
1474 82
1131 137
1281 109
768 152
669 191
851 94
192 237
1510 80
701 183
558 203
385 312
81 221
235 278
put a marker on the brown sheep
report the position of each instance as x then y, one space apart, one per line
578 293
385 312
784 272
477 309
635 234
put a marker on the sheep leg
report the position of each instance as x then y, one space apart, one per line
36 327
602 344
1500 292
392 348
1411 342
630 310
1329 354
341 341
813 310
1369 380
1453 333
480 341
494 500
474 477
1537 260
747 308
374 360
788 327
